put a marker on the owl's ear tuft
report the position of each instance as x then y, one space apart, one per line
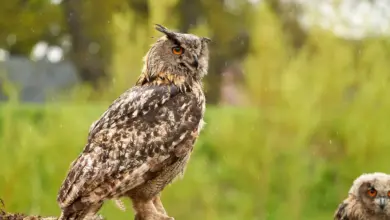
171 35
206 39
161 28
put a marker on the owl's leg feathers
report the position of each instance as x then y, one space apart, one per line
158 205
145 210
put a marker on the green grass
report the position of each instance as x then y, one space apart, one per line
248 164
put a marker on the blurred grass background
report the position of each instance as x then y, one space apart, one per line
315 120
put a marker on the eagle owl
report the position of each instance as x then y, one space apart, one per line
144 140
368 199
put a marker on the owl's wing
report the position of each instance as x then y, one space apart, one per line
137 134
341 212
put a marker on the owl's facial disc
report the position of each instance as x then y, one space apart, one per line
189 60
186 52
184 58
375 198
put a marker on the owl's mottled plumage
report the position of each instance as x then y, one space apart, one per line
368 199
144 139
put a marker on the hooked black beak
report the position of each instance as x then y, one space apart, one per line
196 62
382 202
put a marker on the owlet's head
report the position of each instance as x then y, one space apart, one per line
178 53
373 192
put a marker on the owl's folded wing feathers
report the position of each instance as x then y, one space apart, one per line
341 212
137 133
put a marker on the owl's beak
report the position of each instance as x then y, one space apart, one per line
382 202
196 62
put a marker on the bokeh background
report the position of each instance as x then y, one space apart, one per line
298 99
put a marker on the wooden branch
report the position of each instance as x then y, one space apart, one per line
20 216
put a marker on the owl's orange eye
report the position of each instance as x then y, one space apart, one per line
371 192
388 193
178 50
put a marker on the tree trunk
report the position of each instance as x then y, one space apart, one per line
91 67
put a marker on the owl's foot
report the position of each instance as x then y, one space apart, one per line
148 211
158 205
152 216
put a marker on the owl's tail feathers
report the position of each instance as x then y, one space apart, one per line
80 211
80 217
78 174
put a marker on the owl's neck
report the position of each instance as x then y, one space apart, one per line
184 83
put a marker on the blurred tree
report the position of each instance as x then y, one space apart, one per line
88 25
24 23
288 13
141 10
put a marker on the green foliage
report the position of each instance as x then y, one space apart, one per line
318 119
24 23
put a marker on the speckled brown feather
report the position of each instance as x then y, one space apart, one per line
141 143
126 143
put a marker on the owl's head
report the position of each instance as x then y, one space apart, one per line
373 192
178 53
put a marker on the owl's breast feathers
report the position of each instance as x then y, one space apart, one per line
145 129
182 82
